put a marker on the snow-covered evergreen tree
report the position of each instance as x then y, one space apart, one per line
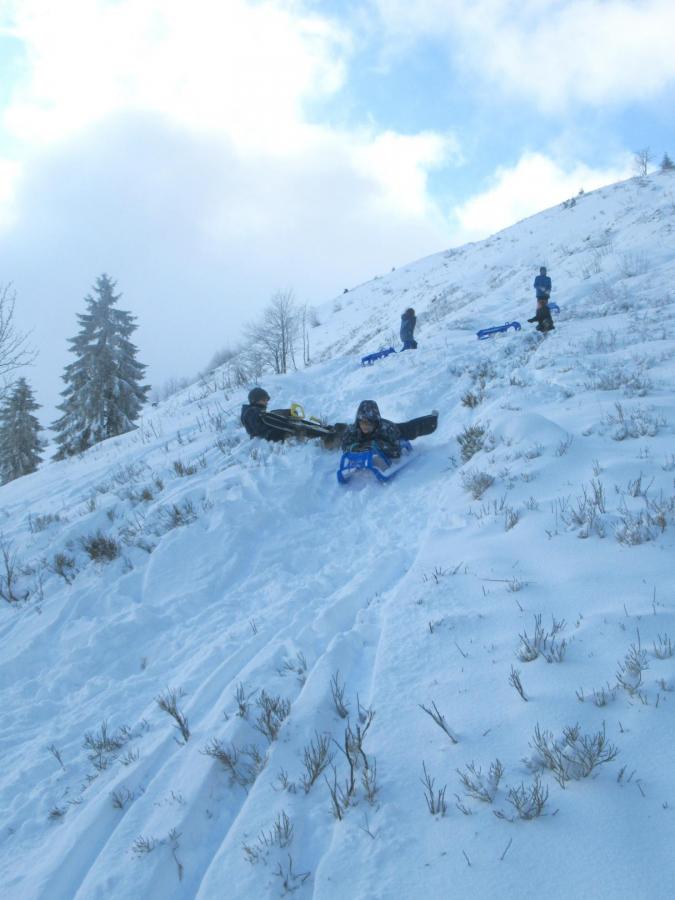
104 394
20 444
667 163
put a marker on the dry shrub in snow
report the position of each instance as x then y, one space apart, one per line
243 700
178 514
104 745
182 469
342 794
634 382
101 547
481 787
243 765
633 527
471 440
663 648
514 681
632 423
573 756
168 703
542 642
39 523
435 799
290 881
338 693
439 719
10 571
316 757
297 666
472 399
273 711
586 512
279 835
476 483
629 671
527 801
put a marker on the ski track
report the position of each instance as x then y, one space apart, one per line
214 690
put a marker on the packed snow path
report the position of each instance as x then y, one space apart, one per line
244 567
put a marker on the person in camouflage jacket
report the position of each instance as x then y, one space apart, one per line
370 430
543 316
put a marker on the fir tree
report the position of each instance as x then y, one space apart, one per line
104 394
667 163
20 444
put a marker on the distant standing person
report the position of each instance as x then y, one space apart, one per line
543 316
408 322
542 285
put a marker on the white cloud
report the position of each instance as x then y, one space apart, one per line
534 183
399 164
581 51
235 67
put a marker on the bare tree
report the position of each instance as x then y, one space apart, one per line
14 349
641 160
275 335
305 319
253 362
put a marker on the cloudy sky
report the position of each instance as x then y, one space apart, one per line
207 153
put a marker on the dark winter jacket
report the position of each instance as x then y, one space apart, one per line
259 423
408 322
543 319
384 436
542 285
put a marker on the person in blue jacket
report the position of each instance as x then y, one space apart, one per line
408 322
542 285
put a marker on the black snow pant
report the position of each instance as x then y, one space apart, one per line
418 427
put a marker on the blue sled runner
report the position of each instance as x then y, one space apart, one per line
496 329
373 357
375 461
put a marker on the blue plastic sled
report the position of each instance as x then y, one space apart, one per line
353 460
373 357
496 329
554 307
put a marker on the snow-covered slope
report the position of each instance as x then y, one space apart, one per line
244 568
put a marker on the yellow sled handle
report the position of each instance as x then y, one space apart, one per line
298 412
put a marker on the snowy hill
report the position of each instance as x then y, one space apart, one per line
284 618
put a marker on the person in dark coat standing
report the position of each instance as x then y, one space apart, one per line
408 322
542 284
543 316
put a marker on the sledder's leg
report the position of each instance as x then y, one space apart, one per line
418 427
333 440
